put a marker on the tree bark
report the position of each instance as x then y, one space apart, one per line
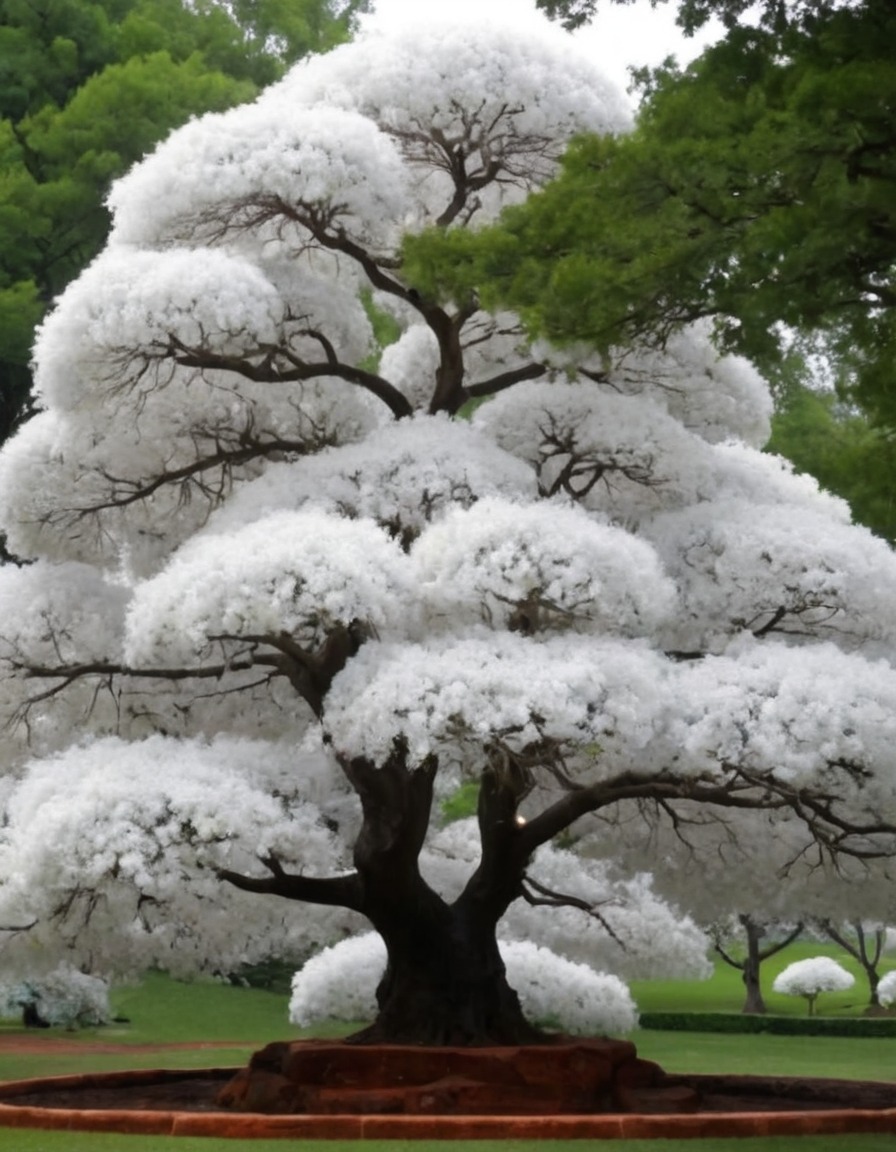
751 965
445 982
754 1004
866 949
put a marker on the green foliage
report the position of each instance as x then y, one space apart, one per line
758 188
693 14
461 803
838 445
86 88
386 330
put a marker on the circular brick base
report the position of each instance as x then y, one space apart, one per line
643 1102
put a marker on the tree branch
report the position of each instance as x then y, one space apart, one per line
335 891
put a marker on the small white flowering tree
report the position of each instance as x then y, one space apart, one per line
744 943
286 598
63 996
809 978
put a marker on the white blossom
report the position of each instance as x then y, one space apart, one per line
65 996
619 455
293 573
541 565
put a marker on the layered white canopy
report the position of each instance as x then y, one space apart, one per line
300 538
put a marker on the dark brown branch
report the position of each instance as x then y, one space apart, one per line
224 458
267 373
505 380
72 672
334 891
311 673
548 898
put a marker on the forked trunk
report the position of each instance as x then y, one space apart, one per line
444 982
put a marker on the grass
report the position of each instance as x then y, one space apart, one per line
161 1011
26 1140
23 1140
724 991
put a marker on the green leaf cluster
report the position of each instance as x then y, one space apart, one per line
840 446
89 86
758 188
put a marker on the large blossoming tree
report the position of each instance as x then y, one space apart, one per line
313 552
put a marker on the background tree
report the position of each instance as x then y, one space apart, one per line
757 189
838 444
866 944
693 14
286 599
89 86
750 964
809 978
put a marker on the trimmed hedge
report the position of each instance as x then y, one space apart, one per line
781 1025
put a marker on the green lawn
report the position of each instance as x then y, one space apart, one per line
724 991
161 1011
32 1141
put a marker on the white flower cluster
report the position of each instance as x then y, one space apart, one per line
126 837
65 997
295 573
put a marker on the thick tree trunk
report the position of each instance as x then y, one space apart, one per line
754 1003
445 984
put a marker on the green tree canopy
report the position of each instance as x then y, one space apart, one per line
693 14
89 86
837 444
758 187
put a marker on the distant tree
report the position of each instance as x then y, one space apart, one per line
749 965
693 14
809 978
839 445
865 943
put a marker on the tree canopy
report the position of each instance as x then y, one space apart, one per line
693 14
86 88
756 189
291 590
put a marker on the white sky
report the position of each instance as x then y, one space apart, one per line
621 35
